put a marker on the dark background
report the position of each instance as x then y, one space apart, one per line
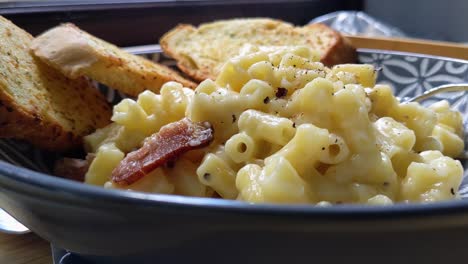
127 23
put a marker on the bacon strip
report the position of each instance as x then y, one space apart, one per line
171 141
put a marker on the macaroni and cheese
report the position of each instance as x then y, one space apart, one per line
287 129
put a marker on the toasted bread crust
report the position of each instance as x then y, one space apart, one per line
77 53
40 105
341 51
30 126
199 65
183 63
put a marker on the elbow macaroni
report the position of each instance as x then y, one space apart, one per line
289 130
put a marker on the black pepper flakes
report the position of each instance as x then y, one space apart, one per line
37 119
266 100
281 92
170 164
323 148
234 118
452 191
207 176
385 184
294 125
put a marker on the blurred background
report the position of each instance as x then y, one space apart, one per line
432 19
139 22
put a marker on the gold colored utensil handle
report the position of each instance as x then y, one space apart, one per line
437 48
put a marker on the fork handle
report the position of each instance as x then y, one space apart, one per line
440 89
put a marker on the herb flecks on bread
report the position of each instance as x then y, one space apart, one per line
77 53
201 52
38 103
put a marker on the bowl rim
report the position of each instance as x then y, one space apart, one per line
16 178
49 187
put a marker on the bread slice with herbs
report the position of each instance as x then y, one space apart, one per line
38 103
201 51
76 53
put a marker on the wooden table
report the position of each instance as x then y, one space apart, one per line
24 249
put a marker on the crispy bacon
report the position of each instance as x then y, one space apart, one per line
171 141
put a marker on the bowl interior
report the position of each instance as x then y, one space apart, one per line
409 75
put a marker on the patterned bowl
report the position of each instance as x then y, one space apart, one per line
111 226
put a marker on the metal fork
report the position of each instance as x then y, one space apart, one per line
446 88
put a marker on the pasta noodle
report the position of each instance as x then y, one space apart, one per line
287 129
241 148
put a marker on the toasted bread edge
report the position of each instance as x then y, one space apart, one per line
183 63
116 70
29 126
341 51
